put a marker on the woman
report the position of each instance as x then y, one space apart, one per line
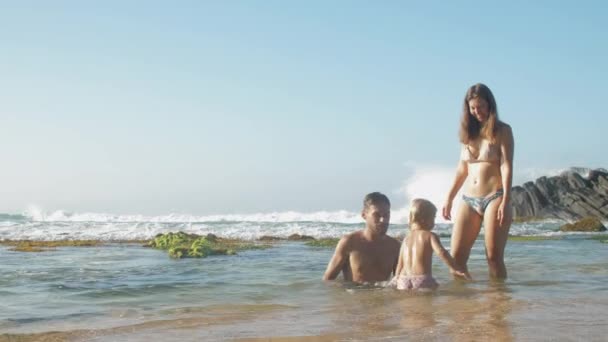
486 164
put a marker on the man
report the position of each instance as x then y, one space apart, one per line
369 255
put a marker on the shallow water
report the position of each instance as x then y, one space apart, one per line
557 289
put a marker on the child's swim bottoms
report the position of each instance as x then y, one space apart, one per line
413 282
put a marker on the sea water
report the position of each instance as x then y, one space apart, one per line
557 287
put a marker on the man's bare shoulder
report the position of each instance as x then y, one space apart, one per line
353 236
392 242
349 239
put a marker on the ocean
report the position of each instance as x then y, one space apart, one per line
121 291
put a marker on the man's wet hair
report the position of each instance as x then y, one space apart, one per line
375 198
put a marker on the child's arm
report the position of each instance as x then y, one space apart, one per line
446 257
338 261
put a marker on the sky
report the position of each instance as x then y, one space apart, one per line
223 107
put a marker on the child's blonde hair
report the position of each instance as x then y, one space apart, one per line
421 209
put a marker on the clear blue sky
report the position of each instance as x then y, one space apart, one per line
211 107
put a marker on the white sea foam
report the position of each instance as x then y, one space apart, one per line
109 231
431 182
427 181
341 216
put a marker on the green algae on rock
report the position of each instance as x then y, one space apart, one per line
522 238
588 224
183 245
270 238
327 242
43 246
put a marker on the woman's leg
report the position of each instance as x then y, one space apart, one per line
464 233
496 238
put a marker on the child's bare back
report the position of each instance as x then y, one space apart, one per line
414 269
418 252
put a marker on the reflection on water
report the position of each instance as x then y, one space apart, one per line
453 313
483 315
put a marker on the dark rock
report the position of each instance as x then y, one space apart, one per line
298 237
211 237
588 224
269 238
575 194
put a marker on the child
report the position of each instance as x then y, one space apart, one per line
415 258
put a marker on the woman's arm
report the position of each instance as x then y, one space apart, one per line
462 171
506 168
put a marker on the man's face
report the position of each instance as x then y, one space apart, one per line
377 217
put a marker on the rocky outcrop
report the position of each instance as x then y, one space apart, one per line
298 237
575 194
588 224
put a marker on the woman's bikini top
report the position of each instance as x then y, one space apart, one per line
487 153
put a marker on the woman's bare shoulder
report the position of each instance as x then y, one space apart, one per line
503 125
504 129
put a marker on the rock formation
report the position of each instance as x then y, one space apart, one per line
574 194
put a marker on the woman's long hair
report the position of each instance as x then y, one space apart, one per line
470 127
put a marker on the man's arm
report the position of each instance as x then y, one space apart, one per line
338 261
446 257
